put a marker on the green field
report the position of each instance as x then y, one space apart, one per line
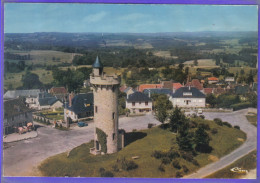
81 163
247 162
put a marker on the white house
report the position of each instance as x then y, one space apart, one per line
47 101
188 97
139 103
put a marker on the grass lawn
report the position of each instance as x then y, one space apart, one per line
252 119
248 162
81 163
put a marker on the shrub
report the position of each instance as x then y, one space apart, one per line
159 154
195 162
185 169
115 168
193 124
214 131
161 168
187 155
237 127
166 161
56 125
176 164
102 138
102 170
194 115
227 124
128 165
60 125
178 174
217 120
134 130
173 154
106 174
150 125
204 126
202 116
242 105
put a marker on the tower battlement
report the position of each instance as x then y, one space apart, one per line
104 79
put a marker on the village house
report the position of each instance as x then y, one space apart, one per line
212 80
229 79
188 97
208 91
129 90
59 92
16 114
151 91
47 101
29 95
79 107
176 86
148 86
167 84
195 83
139 103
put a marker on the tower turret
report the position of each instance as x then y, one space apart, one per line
105 90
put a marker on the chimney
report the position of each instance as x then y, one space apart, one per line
149 94
189 87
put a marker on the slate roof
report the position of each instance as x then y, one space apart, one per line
97 64
240 89
138 97
157 91
12 94
149 86
127 89
47 101
195 93
14 107
80 101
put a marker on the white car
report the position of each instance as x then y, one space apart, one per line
200 111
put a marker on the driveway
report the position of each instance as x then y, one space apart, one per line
234 118
21 158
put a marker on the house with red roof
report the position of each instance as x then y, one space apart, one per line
59 92
176 86
195 83
212 80
207 91
148 86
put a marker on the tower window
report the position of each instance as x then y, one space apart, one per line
96 109
113 115
113 136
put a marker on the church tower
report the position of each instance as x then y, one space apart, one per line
105 90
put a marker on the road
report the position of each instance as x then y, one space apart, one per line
21 158
234 118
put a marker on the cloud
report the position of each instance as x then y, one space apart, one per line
133 16
95 17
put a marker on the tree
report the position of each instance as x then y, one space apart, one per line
31 81
180 66
211 99
201 140
177 118
195 62
184 137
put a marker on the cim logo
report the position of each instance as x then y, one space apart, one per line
238 170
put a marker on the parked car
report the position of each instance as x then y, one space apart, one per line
200 111
82 124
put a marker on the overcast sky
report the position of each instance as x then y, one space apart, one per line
55 17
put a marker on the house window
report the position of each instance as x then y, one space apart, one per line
133 103
113 116
96 109
146 103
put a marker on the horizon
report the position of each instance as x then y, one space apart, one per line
128 18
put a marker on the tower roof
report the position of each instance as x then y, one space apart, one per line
97 64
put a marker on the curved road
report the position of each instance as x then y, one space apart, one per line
234 118
21 158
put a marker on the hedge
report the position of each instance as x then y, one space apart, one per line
242 105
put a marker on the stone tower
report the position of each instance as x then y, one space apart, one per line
105 90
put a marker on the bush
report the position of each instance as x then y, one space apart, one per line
242 105
237 127
214 131
187 156
173 154
161 168
227 124
56 125
193 124
194 115
166 161
195 162
176 164
204 126
159 154
150 125
185 169
218 121
202 116
102 170
134 130
106 174
178 174
60 125
115 168
128 165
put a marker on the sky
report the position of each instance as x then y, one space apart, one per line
114 18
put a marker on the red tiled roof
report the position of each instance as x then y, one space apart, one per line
195 83
213 79
176 86
58 90
147 86
208 90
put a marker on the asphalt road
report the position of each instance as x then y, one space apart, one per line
234 118
21 158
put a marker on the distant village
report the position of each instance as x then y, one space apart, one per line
59 108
